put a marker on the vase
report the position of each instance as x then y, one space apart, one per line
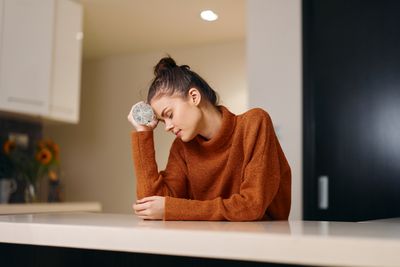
31 194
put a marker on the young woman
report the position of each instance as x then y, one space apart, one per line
221 166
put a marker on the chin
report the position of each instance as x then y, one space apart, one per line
186 138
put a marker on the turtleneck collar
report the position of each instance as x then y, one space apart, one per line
223 135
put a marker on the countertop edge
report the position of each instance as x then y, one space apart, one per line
273 248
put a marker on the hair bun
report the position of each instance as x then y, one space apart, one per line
166 63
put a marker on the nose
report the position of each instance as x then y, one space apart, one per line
168 126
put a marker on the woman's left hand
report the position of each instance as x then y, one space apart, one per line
150 208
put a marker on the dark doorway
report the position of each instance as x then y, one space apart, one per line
351 53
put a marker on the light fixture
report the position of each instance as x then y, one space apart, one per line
208 15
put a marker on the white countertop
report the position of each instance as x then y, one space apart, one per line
375 243
49 207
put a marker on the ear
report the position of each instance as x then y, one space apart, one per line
194 96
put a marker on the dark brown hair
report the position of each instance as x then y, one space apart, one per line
171 79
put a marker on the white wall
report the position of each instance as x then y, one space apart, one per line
96 154
274 73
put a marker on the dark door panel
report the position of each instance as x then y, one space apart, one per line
352 108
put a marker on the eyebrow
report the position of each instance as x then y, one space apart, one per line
162 114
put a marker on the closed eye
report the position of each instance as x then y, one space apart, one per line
169 115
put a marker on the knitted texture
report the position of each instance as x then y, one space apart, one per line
241 174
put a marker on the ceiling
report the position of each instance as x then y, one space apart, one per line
115 27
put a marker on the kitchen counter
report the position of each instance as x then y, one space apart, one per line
375 243
49 207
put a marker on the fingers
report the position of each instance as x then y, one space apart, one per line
142 206
149 208
153 124
146 199
140 128
143 211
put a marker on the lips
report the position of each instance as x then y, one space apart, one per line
177 133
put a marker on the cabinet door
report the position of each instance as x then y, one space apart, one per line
26 55
352 109
65 90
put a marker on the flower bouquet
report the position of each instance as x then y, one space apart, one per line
32 168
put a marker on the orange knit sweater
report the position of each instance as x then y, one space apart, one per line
241 174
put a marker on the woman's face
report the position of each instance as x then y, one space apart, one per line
180 115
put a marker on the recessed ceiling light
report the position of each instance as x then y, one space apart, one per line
208 15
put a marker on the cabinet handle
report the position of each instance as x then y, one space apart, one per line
323 192
25 101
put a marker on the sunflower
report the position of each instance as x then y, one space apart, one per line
8 146
44 156
33 165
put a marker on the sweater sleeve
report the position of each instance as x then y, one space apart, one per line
149 182
260 182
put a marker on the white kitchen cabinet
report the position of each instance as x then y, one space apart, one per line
26 55
40 58
65 97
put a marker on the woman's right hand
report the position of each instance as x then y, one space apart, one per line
139 127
